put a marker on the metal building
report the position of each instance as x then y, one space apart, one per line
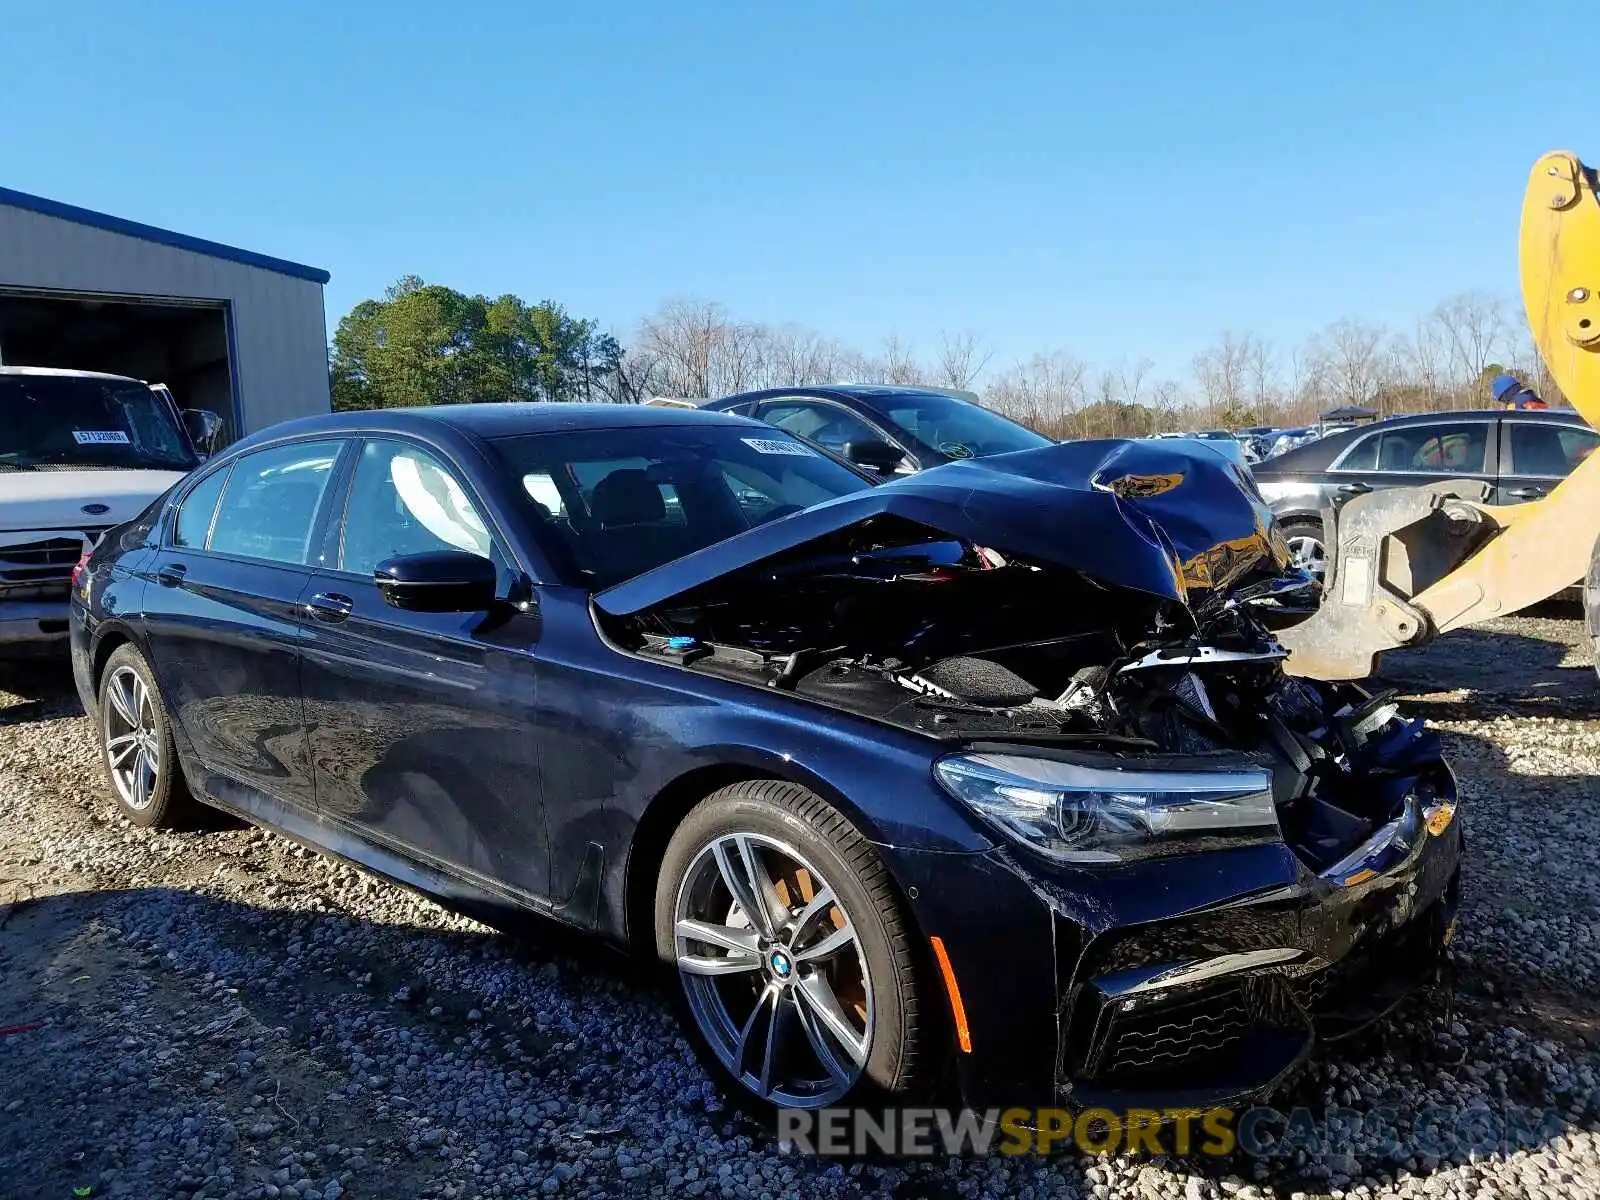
240 333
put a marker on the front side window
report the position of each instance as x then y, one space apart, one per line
1550 450
55 421
613 503
269 505
404 501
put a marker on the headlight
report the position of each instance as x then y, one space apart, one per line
1100 814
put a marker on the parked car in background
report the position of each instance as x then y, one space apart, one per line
79 453
888 429
1285 440
878 774
1520 454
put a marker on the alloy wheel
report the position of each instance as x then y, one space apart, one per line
132 738
1308 554
773 970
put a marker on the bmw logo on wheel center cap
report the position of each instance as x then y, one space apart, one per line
780 964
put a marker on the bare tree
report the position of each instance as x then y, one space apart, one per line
1222 372
1352 356
1130 375
1046 392
895 363
1476 327
685 340
959 360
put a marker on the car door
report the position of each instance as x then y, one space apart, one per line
223 624
1536 454
1411 454
828 424
419 723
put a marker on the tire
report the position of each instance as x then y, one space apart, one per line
795 837
1302 534
136 746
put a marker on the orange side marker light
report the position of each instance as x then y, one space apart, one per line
957 1009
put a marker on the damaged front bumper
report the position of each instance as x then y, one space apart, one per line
1195 981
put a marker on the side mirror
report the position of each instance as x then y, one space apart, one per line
876 455
441 581
204 427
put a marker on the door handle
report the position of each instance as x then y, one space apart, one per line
1353 489
171 575
1526 493
330 606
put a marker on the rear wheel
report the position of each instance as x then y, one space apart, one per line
793 962
136 744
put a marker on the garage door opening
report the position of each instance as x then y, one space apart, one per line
183 345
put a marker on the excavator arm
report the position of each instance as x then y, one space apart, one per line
1409 564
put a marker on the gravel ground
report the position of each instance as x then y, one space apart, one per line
221 1014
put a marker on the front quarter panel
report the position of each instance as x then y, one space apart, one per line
616 732
106 603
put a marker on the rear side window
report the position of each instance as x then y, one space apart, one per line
828 424
269 505
199 507
1443 449
1550 450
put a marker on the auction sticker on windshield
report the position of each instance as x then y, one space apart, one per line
100 437
773 446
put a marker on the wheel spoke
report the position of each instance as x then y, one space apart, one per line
121 701
744 877
814 994
141 780
778 1009
822 1046
141 703
717 964
831 944
819 904
118 748
764 1002
744 942
742 946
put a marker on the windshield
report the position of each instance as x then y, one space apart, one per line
958 429
615 503
66 422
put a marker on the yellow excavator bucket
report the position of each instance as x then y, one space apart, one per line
1408 564
1560 263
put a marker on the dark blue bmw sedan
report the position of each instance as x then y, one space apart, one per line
989 776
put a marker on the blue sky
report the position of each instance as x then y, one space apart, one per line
1116 179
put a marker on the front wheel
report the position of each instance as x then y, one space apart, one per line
1308 550
793 962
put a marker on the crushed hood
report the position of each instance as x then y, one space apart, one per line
1180 522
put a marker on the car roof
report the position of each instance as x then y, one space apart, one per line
66 373
502 420
859 391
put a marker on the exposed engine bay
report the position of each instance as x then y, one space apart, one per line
891 618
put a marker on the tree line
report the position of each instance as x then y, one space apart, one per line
429 344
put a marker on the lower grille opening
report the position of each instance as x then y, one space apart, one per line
1176 1036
